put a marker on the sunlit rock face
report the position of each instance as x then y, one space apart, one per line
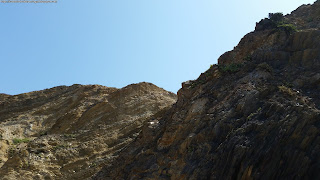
71 132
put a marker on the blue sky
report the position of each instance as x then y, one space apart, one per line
119 42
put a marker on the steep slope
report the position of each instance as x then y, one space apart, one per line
70 132
255 115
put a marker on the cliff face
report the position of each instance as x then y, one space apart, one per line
71 132
255 115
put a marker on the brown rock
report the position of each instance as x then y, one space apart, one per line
260 121
70 132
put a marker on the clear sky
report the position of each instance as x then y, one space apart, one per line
119 42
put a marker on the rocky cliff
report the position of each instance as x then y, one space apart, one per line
71 132
254 115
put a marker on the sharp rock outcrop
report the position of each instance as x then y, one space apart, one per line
255 115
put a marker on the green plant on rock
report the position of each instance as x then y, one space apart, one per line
230 67
278 22
288 28
276 17
18 141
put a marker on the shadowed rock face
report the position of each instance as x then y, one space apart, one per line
306 16
278 46
71 132
245 118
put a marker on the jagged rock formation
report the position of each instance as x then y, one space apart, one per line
71 132
255 115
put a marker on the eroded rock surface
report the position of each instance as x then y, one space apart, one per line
255 115
71 132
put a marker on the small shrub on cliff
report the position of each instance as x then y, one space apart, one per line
230 67
288 28
18 141
276 17
276 21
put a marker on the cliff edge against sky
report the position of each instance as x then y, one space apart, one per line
254 115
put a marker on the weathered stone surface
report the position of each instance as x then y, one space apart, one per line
71 132
255 115
306 16
258 119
